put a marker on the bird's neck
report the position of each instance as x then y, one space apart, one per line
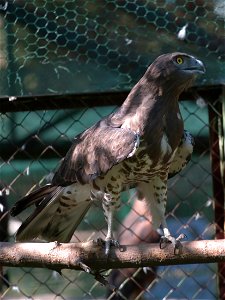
148 104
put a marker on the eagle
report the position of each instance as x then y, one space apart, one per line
141 145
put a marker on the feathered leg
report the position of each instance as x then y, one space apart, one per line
110 205
156 195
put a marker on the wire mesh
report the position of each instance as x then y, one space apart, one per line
40 138
51 47
61 47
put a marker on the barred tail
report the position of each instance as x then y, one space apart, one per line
53 219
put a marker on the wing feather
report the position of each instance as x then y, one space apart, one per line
34 197
39 219
94 152
182 155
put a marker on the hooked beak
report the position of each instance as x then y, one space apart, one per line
197 67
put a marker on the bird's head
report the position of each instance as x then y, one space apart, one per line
179 68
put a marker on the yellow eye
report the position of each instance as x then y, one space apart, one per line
179 60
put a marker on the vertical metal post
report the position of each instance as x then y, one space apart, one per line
12 71
216 123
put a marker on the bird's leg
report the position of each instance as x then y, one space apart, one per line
168 238
109 206
109 240
155 194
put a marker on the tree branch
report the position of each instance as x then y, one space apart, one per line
73 255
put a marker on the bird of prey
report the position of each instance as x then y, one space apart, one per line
138 145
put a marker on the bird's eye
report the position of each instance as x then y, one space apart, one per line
179 60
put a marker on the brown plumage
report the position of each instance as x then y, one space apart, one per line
134 146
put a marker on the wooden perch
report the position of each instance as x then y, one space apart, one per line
76 255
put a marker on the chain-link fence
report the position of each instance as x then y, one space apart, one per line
66 64
87 46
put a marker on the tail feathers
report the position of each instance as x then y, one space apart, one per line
55 218
33 198
62 226
33 226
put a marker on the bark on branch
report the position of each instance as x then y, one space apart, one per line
91 254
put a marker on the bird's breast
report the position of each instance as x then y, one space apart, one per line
142 167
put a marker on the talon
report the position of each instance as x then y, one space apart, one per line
108 243
56 244
163 240
174 241
115 243
181 237
178 247
100 242
107 247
